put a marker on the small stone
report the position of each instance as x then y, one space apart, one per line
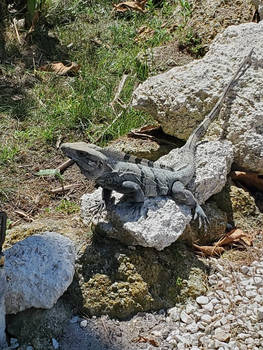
83 323
190 308
244 269
13 341
222 335
206 318
174 314
29 347
208 307
55 344
260 314
202 300
185 318
192 327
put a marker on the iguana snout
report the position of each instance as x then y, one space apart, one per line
91 162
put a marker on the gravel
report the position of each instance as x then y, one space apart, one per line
229 316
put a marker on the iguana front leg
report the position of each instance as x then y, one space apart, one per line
133 194
182 195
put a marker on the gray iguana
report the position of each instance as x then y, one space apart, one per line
139 178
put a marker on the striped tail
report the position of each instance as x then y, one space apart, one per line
199 132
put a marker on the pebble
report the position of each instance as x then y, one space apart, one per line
202 300
55 344
185 318
83 323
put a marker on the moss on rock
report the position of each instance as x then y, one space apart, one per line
119 281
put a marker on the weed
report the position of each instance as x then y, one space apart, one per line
7 154
67 207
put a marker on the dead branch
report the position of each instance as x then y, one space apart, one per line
64 188
62 167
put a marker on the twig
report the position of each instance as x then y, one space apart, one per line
17 34
64 188
119 90
23 215
62 167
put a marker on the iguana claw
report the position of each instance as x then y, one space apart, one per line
202 218
100 206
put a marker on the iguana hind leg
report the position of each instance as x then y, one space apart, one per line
182 195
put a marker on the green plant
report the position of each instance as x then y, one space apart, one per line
67 207
7 154
186 9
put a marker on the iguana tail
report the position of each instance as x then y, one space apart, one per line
201 129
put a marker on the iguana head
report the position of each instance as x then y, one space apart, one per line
91 162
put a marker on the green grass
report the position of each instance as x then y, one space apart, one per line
104 45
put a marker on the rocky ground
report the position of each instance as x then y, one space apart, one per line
229 316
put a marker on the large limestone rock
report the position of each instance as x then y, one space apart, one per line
2 307
39 269
163 220
119 281
180 98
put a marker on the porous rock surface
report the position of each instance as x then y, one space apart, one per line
2 307
163 220
181 97
39 269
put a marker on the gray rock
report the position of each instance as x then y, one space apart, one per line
2 307
180 98
39 269
38 326
163 220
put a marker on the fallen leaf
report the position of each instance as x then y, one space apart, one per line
209 250
60 68
144 33
48 172
138 5
234 236
248 179
142 339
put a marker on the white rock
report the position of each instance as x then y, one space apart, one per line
208 307
162 223
83 323
192 327
222 335
181 97
39 269
206 318
55 344
260 313
202 300
185 318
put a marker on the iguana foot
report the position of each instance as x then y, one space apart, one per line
100 206
202 218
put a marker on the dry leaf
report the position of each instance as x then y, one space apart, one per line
142 339
60 68
138 5
209 250
144 33
248 179
235 236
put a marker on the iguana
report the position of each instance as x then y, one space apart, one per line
139 178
